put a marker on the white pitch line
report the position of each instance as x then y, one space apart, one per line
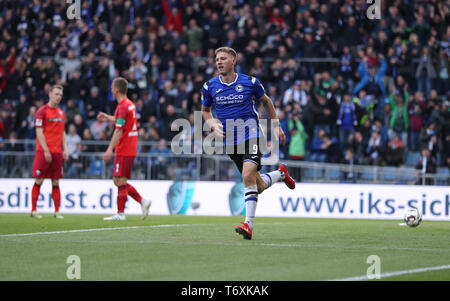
276 245
115 228
289 245
397 273
92 230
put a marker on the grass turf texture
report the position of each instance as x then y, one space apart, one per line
207 248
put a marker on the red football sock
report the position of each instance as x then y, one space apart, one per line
34 196
122 198
133 193
56 196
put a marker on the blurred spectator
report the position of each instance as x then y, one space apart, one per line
94 104
320 114
443 70
13 161
284 121
69 63
80 124
374 154
194 37
366 129
71 111
322 146
159 163
76 162
169 115
403 64
347 175
399 122
358 146
5 117
13 145
318 147
325 82
139 71
72 139
21 111
395 152
183 60
416 110
425 166
350 35
87 136
379 126
346 66
76 90
425 72
297 136
15 79
2 128
371 71
295 94
346 119
89 69
428 140
174 17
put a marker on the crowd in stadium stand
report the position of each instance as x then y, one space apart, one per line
382 92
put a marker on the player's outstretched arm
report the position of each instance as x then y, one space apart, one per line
270 109
105 117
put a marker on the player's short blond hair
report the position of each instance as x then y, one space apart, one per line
227 50
56 87
120 84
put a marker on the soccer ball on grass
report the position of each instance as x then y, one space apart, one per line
412 218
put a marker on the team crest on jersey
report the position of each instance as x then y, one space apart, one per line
239 88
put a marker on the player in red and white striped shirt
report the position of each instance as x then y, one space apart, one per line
124 143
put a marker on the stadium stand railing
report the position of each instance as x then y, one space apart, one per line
170 166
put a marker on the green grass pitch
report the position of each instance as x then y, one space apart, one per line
207 248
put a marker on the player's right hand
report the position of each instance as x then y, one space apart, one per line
217 128
107 156
48 156
102 116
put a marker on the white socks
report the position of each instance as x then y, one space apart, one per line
251 199
272 177
251 194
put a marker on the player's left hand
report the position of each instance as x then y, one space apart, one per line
65 155
107 156
280 135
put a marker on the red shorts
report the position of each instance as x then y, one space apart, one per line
44 170
122 166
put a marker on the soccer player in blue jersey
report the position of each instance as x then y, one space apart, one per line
233 96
